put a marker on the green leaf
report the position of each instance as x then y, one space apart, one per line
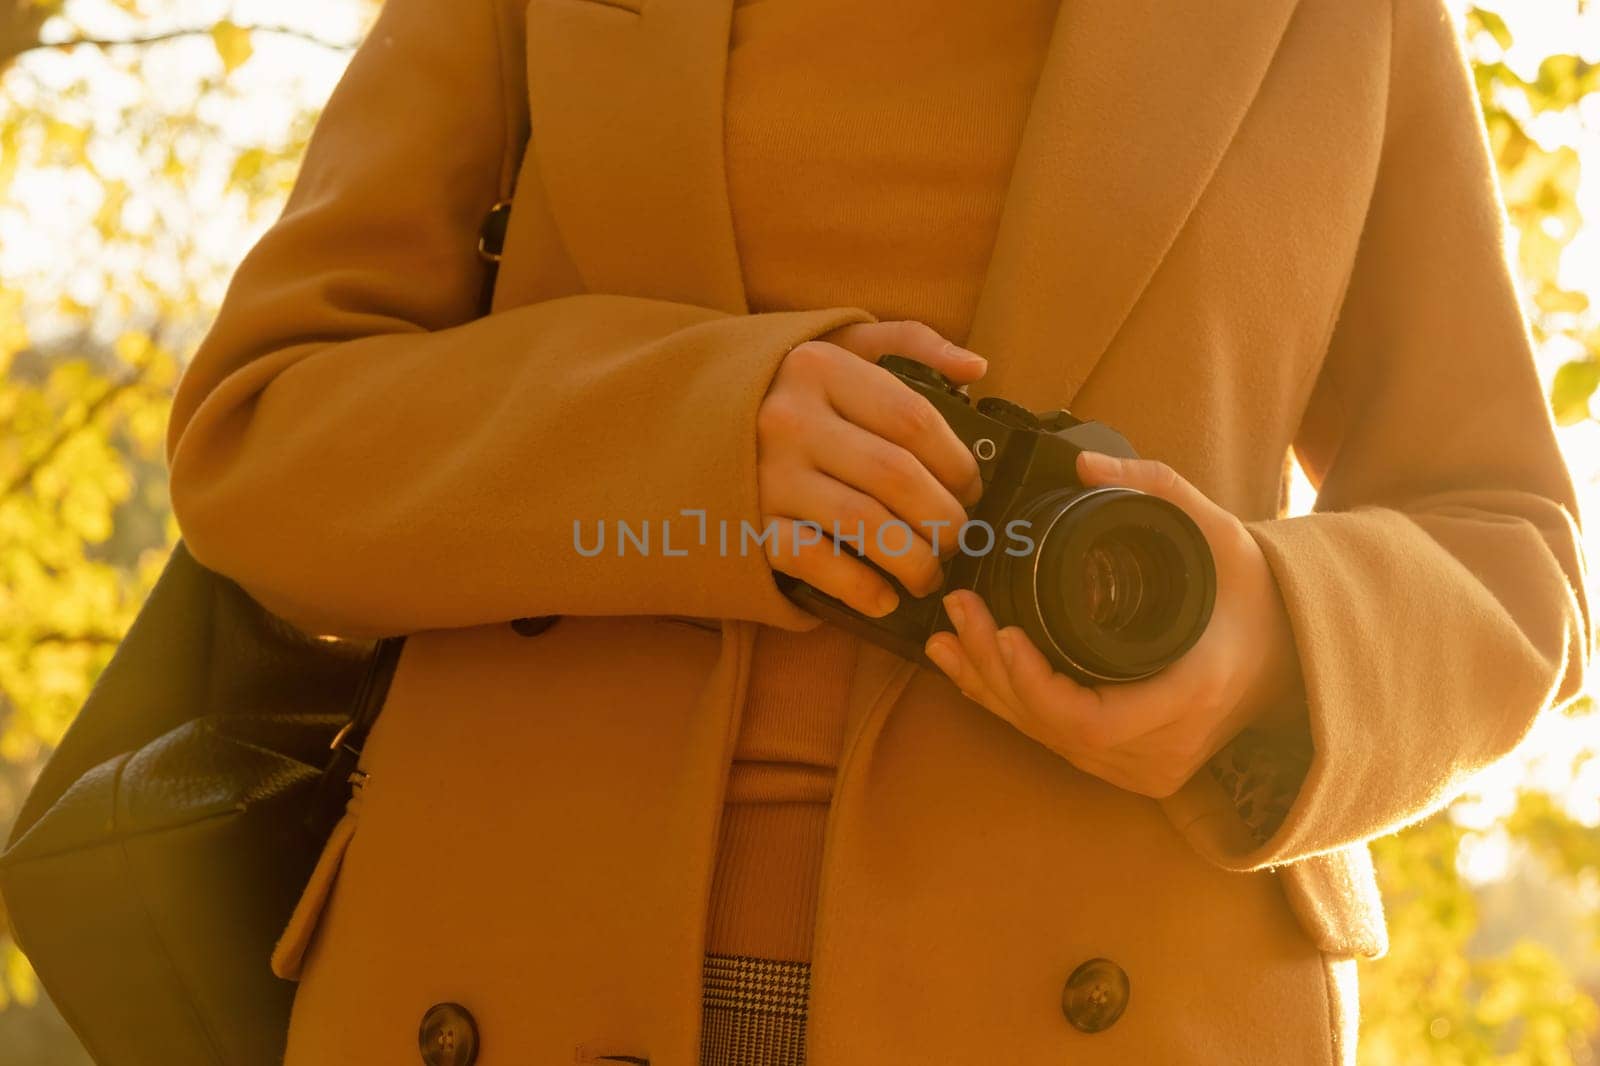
1574 384
1563 81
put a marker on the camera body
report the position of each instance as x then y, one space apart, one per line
1109 583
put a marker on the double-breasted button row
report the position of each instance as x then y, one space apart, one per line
448 1036
1095 995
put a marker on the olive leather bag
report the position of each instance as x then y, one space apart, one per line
162 849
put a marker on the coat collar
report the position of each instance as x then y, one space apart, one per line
1136 104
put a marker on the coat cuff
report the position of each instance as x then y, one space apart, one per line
1414 677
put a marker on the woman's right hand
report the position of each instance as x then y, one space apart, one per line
844 444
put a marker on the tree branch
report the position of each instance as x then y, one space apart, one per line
58 637
192 31
99 403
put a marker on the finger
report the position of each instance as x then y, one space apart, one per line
863 526
915 340
801 551
1098 720
945 652
892 475
881 403
1052 697
976 630
1084 728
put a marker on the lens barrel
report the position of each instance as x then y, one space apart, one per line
1119 583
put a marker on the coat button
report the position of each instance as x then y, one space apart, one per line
1095 995
448 1037
533 626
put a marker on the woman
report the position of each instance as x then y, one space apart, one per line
688 823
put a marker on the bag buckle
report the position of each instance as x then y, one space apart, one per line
338 738
492 233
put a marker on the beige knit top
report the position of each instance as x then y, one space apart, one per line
886 197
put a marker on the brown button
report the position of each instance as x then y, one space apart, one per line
533 626
449 1036
1095 995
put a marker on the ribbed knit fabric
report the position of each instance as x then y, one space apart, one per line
869 146
886 197
763 894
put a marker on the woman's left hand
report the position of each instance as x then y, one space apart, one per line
1146 736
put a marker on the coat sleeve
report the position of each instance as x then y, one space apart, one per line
1436 593
366 456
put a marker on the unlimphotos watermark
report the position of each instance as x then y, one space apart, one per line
661 537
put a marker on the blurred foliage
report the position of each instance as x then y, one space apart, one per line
1540 185
128 145
1439 997
84 523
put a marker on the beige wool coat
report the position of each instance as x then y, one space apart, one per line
1235 228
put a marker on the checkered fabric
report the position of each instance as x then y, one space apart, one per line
1263 775
754 1011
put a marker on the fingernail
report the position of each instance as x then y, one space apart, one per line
1005 637
941 657
953 608
968 354
887 601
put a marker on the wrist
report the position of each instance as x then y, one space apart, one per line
1275 698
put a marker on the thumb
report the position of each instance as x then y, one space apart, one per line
1144 475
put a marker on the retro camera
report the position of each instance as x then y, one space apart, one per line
1110 584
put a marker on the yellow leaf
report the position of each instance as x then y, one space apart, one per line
13 331
133 347
248 167
233 44
20 980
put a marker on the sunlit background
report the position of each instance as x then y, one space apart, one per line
134 175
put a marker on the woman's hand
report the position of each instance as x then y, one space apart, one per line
846 445
1146 736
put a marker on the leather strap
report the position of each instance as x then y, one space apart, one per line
333 788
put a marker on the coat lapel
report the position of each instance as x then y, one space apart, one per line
1135 107
626 100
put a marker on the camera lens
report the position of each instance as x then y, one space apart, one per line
1118 585
1113 583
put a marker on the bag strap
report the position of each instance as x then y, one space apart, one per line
333 788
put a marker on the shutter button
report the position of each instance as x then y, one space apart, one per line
448 1037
